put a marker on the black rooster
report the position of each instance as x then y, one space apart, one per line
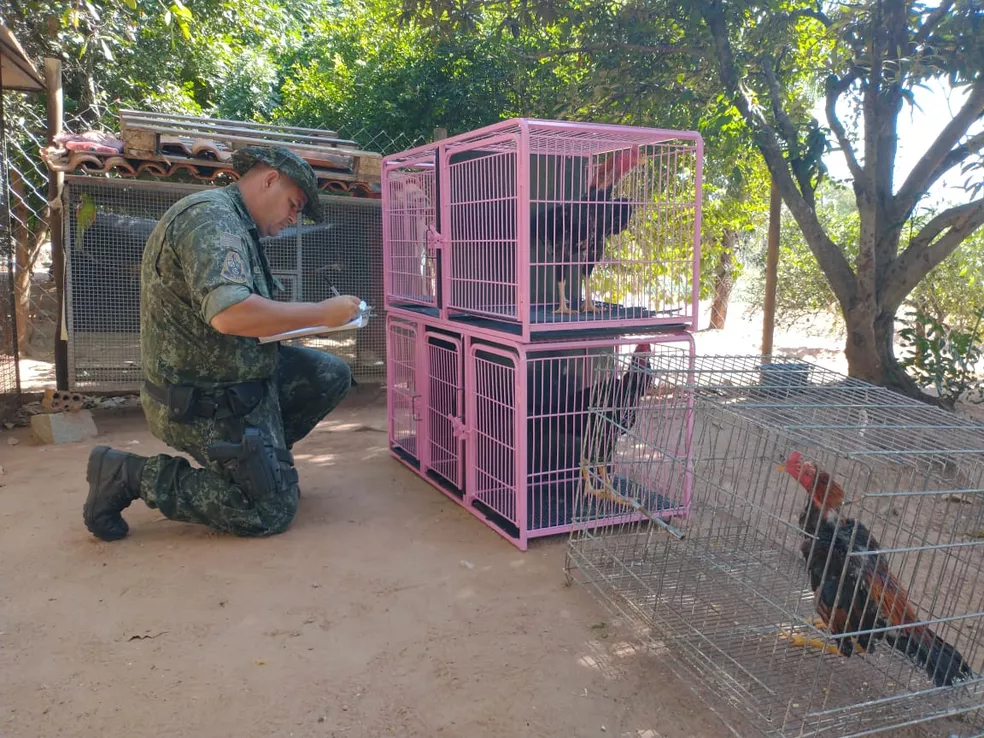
600 414
855 592
575 232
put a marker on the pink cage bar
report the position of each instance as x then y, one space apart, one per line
536 227
497 425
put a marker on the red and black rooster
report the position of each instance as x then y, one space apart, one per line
575 232
854 590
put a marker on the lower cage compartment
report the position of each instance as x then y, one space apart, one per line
499 427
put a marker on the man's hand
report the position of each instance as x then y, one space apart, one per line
340 310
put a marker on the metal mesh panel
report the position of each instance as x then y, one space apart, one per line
345 250
411 222
402 388
730 593
9 375
107 225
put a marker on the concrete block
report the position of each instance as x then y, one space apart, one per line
60 428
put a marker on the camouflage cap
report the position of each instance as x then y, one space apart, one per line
287 163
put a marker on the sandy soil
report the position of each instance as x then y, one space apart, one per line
384 610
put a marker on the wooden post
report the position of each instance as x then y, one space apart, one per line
440 134
771 272
56 183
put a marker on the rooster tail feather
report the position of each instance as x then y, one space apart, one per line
943 663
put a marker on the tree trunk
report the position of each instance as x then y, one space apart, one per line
22 293
870 352
724 281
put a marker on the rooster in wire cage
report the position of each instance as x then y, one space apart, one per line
854 590
600 413
574 233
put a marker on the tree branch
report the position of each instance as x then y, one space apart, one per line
970 147
941 155
933 19
836 88
929 248
828 255
786 127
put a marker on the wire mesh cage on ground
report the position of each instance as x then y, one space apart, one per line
500 427
734 598
545 225
107 222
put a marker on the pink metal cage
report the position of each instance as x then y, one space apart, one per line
500 426
533 227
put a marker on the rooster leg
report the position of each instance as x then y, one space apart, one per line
798 640
604 491
563 309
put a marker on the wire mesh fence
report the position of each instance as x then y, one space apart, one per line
107 225
33 289
827 576
382 142
9 375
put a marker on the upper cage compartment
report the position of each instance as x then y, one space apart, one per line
534 227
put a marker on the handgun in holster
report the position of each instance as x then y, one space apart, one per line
257 463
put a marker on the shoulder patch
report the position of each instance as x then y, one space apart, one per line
234 268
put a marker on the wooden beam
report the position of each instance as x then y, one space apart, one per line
771 272
56 183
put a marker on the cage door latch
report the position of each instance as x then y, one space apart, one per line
458 427
434 238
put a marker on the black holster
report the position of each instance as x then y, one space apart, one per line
255 465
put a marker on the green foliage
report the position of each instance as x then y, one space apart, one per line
802 293
190 56
953 293
943 357
358 64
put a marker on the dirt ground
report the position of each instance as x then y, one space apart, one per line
384 610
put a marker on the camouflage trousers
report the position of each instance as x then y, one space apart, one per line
308 384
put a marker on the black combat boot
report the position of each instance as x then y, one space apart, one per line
114 482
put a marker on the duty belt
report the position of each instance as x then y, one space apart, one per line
185 402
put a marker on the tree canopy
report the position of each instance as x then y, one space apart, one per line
748 75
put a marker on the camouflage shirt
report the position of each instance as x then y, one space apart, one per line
203 256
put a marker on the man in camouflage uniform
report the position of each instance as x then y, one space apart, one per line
212 390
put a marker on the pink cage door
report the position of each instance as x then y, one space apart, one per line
531 412
444 461
402 390
411 239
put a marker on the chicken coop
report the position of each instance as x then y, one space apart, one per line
499 426
160 159
534 227
826 576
